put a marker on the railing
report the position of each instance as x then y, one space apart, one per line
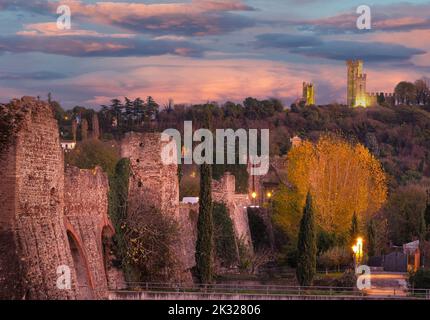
270 290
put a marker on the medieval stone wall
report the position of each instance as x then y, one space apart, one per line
48 221
154 184
86 219
224 191
33 169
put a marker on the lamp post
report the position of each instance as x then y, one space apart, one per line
358 252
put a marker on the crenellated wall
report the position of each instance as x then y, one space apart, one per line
49 218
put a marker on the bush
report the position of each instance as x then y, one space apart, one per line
91 153
225 240
150 238
420 279
347 280
335 258
259 230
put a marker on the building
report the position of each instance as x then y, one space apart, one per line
68 145
308 94
296 141
357 95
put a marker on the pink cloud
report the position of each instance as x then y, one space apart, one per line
198 17
51 29
197 81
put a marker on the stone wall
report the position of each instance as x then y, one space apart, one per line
154 184
48 219
87 221
34 240
223 191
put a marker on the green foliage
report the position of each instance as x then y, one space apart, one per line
150 238
326 241
307 246
347 280
225 240
372 238
91 153
427 218
245 256
404 212
205 227
420 279
118 194
335 258
204 246
258 228
354 231
239 171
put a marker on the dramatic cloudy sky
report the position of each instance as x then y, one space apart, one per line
198 50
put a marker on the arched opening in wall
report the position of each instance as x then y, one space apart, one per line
81 268
109 261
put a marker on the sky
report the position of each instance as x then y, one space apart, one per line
197 51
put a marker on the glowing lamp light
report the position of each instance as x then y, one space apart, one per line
355 249
269 195
254 195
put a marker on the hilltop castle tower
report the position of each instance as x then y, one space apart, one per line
308 94
356 88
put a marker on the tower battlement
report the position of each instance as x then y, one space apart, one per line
308 93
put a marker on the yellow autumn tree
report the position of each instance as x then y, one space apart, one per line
343 178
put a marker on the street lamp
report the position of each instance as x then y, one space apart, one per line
358 251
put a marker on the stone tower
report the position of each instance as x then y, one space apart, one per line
33 240
308 94
152 183
356 87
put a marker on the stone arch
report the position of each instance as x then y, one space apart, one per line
83 276
105 243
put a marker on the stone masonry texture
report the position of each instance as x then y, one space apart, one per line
48 218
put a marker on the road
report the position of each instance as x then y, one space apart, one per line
388 284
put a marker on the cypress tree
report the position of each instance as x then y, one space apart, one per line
307 246
371 238
427 218
205 232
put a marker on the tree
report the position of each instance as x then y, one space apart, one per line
95 126
307 246
84 129
423 91
151 108
150 238
406 92
343 178
205 228
371 238
427 217
354 232
225 241
91 153
404 212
